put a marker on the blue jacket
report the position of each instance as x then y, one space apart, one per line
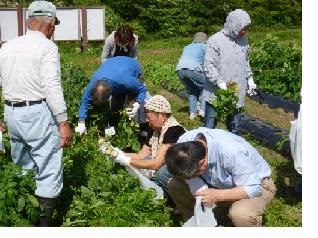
121 73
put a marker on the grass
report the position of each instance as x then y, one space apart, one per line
286 208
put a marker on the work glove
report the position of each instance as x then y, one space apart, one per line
81 128
133 111
122 159
251 86
222 85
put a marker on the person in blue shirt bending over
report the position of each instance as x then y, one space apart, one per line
115 79
237 179
190 71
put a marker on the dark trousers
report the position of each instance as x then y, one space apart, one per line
233 122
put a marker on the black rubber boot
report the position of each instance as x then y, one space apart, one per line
48 205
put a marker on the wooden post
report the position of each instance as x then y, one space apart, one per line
20 20
84 40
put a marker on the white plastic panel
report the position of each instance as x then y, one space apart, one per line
95 24
8 24
69 27
70 24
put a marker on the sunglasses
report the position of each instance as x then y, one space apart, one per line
57 21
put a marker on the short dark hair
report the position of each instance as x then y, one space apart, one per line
125 35
101 97
182 159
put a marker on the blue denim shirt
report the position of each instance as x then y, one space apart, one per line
232 161
192 57
122 74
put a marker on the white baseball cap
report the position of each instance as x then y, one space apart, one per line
41 8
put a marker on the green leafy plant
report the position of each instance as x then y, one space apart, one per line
74 81
98 192
18 205
163 74
277 68
126 134
225 102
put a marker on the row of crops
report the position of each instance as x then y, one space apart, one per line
277 69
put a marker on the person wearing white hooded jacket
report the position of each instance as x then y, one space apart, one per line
226 61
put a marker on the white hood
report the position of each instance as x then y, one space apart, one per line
235 22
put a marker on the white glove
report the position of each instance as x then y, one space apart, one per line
251 87
133 111
222 85
81 128
122 159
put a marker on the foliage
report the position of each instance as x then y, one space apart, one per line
74 81
101 193
163 74
137 28
183 17
167 21
126 134
277 68
18 206
225 102
112 20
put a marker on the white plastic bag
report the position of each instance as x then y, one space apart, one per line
295 138
203 215
145 182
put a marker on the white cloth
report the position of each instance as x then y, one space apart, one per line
203 215
30 71
295 137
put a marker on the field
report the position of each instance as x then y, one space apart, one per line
99 193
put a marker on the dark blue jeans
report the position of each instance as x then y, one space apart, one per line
193 81
162 178
233 122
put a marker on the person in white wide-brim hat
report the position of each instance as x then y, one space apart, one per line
166 132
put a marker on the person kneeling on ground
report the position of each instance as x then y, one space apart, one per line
237 176
166 132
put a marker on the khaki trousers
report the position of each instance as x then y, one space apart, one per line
243 213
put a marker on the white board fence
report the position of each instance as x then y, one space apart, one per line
86 24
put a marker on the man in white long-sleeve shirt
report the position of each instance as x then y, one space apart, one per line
35 110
